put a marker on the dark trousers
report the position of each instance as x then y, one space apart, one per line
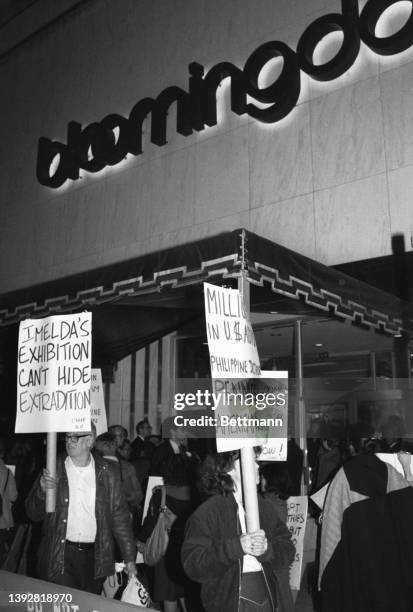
79 570
4 544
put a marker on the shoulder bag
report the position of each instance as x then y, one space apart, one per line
157 543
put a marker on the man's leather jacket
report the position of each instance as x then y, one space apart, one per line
112 520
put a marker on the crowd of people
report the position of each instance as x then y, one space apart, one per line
211 562
100 486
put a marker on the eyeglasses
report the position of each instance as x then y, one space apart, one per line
75 437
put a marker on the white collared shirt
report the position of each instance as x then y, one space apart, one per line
175 446
81 517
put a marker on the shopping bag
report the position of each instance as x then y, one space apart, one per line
112 584
135 593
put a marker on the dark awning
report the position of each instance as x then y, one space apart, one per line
139 300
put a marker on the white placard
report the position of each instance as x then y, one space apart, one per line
231 342
276 382
296 522
97 411
233 355
54 374
274 449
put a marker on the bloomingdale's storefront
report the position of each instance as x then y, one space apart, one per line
149 147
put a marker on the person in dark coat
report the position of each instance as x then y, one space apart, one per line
276 487
235 568
169 581
141 446
106 446
175 443
367 537
77 547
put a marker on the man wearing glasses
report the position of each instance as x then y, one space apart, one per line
77 546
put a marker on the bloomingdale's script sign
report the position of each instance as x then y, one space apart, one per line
108 142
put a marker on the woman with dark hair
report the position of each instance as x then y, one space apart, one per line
169 579
235 568
276 486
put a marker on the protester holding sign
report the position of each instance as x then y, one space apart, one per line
77 547
54 374
235 568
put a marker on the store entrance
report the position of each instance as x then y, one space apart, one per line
351 390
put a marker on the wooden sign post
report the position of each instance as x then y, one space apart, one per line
51 466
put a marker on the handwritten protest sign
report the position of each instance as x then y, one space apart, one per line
97 411
274 383
231 342
296 523
233 355
252 406
54 374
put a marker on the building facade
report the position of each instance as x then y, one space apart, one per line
322 167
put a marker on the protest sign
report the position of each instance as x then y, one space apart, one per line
252 406
54 374
231 342
254 412
296 523
275 384
233 355
97 411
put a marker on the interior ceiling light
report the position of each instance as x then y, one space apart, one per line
318 344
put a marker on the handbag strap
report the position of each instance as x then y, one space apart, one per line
163 498
7 480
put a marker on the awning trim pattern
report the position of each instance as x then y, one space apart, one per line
224 256
294 288
228 266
